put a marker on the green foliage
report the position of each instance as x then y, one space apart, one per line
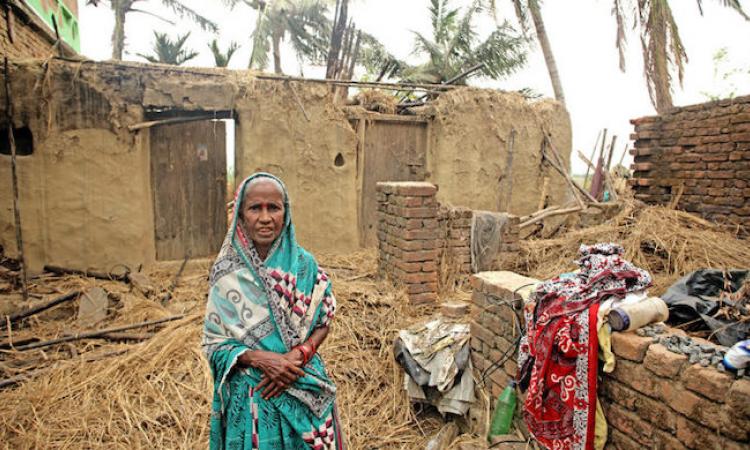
222 59
729 79
454 46
304 23
167 51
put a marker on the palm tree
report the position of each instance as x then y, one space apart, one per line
121 8
222 59
167 51
663 51
302 22
532 8
454 47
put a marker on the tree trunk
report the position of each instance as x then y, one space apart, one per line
276 42
660 88
549 58
120 7
339 25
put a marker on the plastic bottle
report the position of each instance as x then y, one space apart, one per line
738 357
504 409
632 316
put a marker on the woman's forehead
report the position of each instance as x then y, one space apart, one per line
264 187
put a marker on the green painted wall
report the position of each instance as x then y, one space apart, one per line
65 13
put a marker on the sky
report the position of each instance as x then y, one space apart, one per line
582 34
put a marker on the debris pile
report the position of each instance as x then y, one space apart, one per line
155 392
668 243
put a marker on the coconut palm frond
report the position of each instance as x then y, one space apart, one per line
503 53
220 58
167 51
183 11
261 38
453 48
621 39
733 4
662 48
377 61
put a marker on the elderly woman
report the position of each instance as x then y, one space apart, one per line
269 309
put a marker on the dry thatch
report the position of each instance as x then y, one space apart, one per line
156 394
377 101
666 242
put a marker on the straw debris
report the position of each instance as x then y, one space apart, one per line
156 393
666 242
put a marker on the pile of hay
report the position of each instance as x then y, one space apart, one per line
377 101
156 394
666 242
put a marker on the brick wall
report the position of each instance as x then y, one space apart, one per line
408 237
455 233
455 229
419 241
653 399
30 37
703 150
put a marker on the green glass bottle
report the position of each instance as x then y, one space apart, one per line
504 409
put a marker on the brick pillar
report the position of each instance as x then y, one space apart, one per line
455 227
408 237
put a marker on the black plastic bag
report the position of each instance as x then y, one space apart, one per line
694 299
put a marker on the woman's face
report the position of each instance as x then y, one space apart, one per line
263 213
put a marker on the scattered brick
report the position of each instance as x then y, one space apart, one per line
630 346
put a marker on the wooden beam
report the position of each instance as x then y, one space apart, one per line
97 333
156 123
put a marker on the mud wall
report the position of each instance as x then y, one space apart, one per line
86 191
86 198
276 136
83 192
469 157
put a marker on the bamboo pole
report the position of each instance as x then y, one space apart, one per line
593 155
43 307
14 181
403 86
97 333
541 217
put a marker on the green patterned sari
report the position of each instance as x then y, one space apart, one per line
270 305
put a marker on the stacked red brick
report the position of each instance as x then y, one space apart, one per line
455 227
495 325
702 150
653 399
30 37
656 399
408 237
455 232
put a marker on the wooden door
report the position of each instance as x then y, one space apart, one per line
188 178
394 150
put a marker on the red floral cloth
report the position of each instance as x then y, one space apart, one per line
560 345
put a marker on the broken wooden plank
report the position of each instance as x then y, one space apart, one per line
43 307
87 273
97 333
